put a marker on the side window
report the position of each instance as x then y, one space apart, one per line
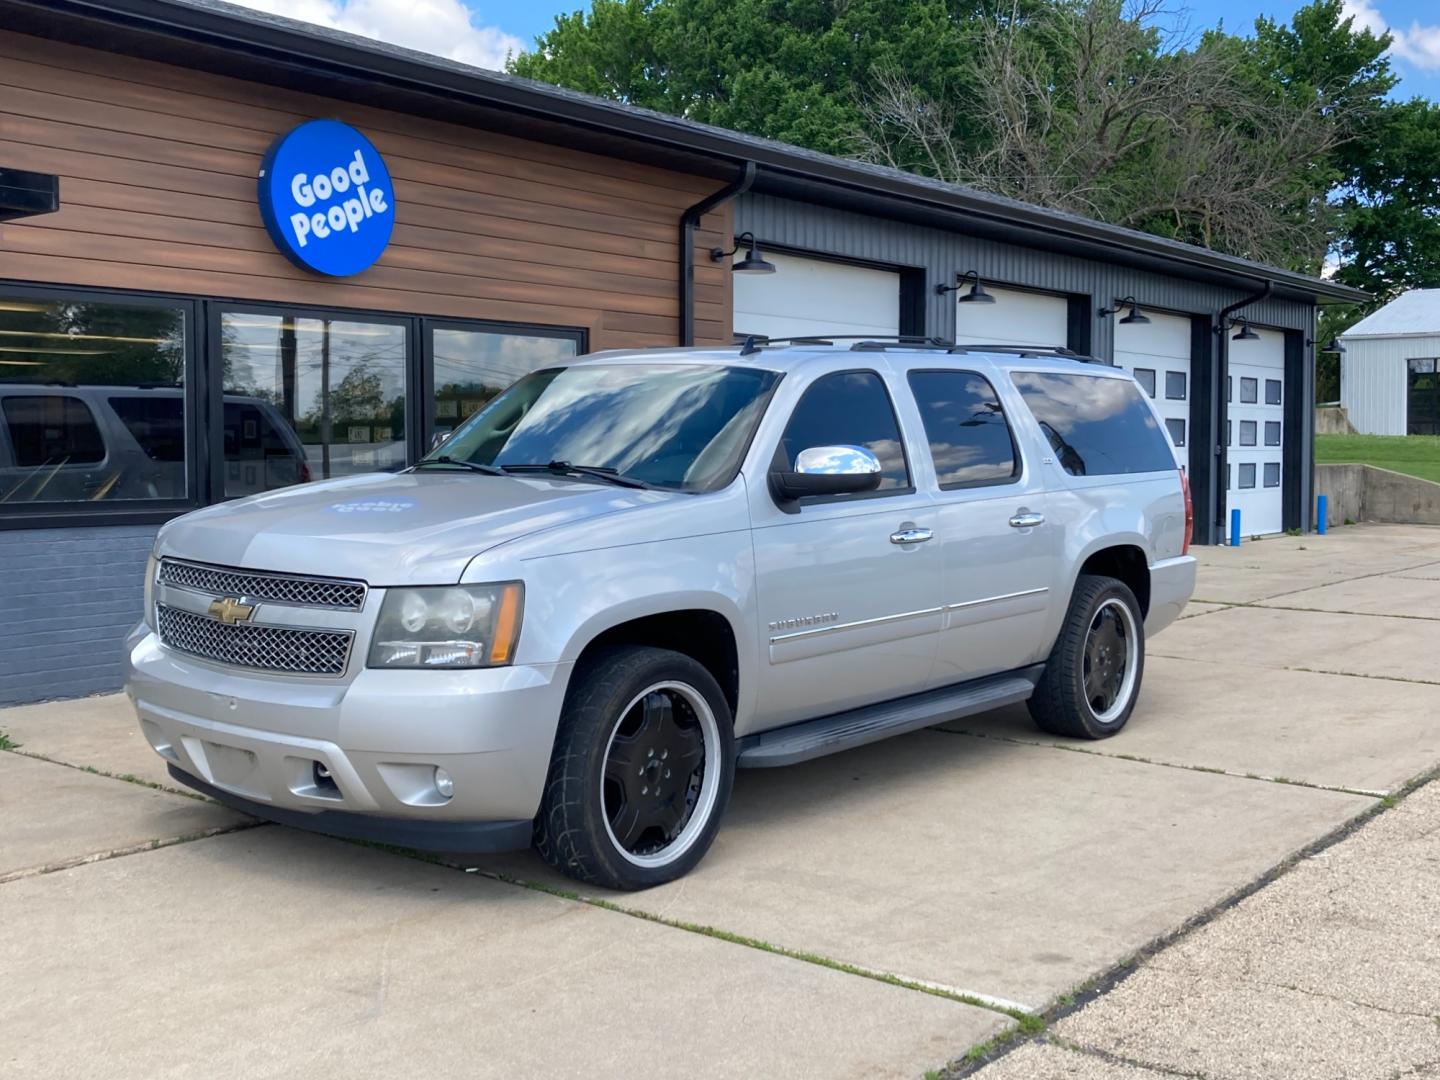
157 424
849 408
1097 425
52 429
970 440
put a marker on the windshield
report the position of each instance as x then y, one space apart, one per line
679 426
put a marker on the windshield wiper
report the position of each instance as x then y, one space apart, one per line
589 472
445 459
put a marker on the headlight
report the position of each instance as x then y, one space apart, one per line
456 626
152 567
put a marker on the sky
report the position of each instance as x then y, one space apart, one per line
484 32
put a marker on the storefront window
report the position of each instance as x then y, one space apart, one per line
92 401
308 398
472 366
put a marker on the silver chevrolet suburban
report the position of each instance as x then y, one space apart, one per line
627 576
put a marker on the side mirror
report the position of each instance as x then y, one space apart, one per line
828 470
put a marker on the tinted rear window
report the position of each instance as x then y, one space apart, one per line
1097 426
157 423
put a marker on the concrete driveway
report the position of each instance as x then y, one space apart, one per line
872 914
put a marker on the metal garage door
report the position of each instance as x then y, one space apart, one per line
816 296
1255 433
1157 353
1016 318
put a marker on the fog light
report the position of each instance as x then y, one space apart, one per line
443 783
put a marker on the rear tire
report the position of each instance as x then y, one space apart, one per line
643 765
1092 678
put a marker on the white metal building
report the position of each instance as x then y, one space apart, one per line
1389 383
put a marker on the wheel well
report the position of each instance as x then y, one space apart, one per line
1128 563
704 636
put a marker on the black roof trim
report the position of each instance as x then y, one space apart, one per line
334 57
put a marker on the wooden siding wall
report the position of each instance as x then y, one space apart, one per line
157 189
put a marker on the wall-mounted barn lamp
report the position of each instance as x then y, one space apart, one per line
977 293
753 263
1134 318
1331 346
1245 334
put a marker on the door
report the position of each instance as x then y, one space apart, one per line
1158 355
817 296
998 552
847 585
1017 317
1255 434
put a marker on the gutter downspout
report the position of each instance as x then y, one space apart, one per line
688 220
1222 355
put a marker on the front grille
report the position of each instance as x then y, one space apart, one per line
265 648
257 585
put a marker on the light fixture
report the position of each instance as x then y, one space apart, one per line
753 263
977 293
1245 334
1135 316
1331 346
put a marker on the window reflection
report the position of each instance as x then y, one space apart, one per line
472 366
92 405
310 398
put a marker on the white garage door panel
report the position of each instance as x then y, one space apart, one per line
815 296
1256 437
1016 318
1157 353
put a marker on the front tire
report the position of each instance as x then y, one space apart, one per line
642 770
1092 678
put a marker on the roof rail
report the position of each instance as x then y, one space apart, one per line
1032 350
753 343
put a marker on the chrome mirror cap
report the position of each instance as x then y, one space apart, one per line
837 461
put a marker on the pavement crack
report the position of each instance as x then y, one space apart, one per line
127 778
1284 781
1025 1014
1121 1059
121 852
1308 670
1307 588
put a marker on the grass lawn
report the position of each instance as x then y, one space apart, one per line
1417 455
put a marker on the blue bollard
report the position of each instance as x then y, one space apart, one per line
1322 514
1235 528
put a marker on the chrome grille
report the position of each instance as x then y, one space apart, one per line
265 648
257 585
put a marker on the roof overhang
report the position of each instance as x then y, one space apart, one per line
218 37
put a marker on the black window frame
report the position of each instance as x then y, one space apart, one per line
204 392
1254 398
1276 427
1254 433
1170 432
1266 472
1240 484
1150 389
779 462
1279 385
1017 468
1184 386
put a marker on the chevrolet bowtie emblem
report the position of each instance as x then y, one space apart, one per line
230 611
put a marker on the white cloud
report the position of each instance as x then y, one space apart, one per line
443 27
1418 45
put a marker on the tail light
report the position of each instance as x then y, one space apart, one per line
1189 512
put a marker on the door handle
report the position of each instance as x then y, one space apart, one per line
1026 520
910 536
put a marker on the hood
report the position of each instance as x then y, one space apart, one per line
389 529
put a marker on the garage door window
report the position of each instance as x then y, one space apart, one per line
849 408
1272 391
1272 432
1249 391
1247 432
1175 385
1146 378
970 440
1272 474
1247 475
1097 426
1176 428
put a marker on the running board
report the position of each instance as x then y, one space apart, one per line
857 727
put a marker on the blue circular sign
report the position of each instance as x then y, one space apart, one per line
326 198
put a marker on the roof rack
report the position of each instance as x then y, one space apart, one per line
1032 350
753 343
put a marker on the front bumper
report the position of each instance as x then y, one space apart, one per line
290 749
473 837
